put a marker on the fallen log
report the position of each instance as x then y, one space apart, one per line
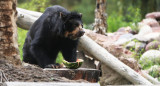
32 13
101 54
25 20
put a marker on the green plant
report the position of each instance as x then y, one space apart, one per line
21 38
116 21
36 5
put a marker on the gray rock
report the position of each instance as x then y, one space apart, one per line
131 45
151 22
140 47
155 15
153 45
148 37
144 30
124 38
150 57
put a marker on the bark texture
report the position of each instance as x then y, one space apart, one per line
91 75
100 17
8 32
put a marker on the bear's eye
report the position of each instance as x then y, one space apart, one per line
82 25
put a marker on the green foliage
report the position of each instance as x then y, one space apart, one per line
35 5
21 38
115 21
155 72
87 8
121 13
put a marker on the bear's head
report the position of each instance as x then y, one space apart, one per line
73 26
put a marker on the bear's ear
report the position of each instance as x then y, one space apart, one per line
80 15
62 15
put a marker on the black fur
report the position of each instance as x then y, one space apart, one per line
46 37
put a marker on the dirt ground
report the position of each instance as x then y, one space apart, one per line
8 72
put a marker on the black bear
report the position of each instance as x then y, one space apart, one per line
57 29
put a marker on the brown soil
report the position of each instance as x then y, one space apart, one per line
8 72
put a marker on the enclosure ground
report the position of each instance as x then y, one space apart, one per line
48 84
10 73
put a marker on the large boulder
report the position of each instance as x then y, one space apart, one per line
149 21
149 58
145 29
148 37
124 38
154 15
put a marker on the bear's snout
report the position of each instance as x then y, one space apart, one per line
80 33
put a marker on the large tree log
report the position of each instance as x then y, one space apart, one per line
104 56
108 59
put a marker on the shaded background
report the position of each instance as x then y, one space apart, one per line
120 12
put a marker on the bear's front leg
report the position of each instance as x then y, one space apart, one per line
42 57
70 54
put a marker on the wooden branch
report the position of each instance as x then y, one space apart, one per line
101 54
108 59
32 13
150 78
25 20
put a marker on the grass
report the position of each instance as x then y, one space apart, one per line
21 39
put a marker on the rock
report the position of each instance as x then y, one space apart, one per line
153 45
149 21
115 50
145 29
137 46
149 58
156 29
148 37
125 29
155 15
111 77
131 45
140 47
124 38
131 62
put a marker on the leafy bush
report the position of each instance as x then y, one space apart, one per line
131 18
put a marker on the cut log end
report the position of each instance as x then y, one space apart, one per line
91 75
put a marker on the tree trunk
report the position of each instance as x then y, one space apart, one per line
8 32
100 17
